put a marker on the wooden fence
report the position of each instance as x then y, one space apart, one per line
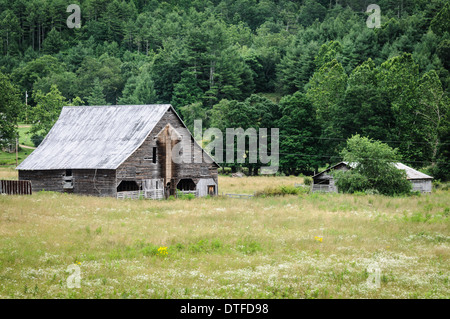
130 195
147 194
321 188
15 187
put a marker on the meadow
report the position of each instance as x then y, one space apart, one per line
293 246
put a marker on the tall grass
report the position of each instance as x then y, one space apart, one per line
225 248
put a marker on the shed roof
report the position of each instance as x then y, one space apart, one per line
94 137
411 173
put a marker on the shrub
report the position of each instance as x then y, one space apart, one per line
278 191
351 181
37 140
307 180
185 196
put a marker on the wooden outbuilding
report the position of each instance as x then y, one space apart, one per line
324 181
121 151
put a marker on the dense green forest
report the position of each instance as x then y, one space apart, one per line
314 69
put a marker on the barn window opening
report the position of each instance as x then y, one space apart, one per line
323 181
186 184
68 181
127 186
154 155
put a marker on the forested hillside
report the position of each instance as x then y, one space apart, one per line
312 68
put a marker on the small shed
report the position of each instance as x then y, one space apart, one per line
121 151
324 182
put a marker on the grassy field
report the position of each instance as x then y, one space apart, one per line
25 138
307 246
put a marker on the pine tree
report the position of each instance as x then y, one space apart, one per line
97 97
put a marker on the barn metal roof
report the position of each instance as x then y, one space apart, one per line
94 137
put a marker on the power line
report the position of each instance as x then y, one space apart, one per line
327 156
341 139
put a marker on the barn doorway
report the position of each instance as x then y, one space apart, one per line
186 184
211 190
127 186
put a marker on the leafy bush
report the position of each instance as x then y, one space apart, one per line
278 191
37 140
289 190
307 180
185 196
351 181
371 192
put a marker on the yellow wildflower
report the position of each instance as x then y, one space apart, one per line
162 251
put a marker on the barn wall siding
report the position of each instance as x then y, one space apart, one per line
85 182
94 182
421 185
48 180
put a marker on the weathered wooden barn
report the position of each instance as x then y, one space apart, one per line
120 150
324 181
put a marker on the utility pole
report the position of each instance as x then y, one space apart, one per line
17 151
26 107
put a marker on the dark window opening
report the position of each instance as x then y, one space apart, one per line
322 182
186 185
68 181
127 186
154 155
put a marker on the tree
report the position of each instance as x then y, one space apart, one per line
435 110
97 97
327 53
47 110
364 109
9 31
10 104
297 130
398 81
311 11
326 89
186 91
373 168
26 75
53 42
443 51
297 66
139 89
441 22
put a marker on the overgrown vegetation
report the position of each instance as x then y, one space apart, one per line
281 191
373 168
